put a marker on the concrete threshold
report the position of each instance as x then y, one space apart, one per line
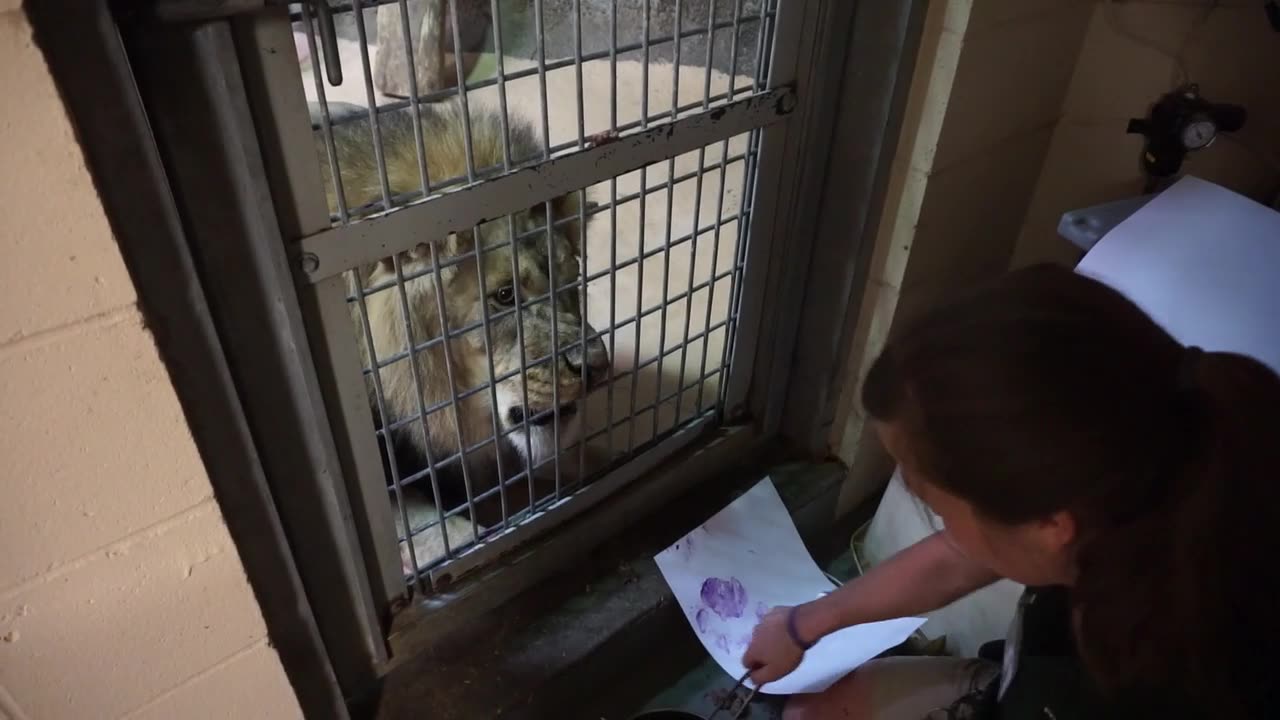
600 640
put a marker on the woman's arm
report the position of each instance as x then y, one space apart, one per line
923 577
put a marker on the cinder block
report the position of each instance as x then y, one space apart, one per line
129 623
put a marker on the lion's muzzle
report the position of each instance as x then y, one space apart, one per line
591 364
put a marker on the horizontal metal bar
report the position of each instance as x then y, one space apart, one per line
466 257
540 230
452 92
338 249
403 199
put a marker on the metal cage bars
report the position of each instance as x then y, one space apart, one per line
681 128
699 383
389 425
428 188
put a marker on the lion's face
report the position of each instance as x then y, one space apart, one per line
558 372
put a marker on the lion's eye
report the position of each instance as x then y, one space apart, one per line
505 295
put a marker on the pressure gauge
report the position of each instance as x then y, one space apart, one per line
1198 133
1181 122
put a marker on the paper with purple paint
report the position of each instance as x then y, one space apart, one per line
748 558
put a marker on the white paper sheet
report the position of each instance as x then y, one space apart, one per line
748 558
1204 262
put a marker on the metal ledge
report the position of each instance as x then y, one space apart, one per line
1086 226
583 645
339 249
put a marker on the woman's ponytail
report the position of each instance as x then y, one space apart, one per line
1187 590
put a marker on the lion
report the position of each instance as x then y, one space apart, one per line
534 408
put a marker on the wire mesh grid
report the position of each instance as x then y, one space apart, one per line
510 363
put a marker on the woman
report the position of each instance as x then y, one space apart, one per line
1070 444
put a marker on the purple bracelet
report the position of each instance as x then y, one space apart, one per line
793 632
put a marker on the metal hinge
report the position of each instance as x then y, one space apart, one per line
203 10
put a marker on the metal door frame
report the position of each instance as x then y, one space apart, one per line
321 253
840 209
190 81
330 621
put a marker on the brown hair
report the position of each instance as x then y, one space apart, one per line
1049 391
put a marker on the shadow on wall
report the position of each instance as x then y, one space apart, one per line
1133 53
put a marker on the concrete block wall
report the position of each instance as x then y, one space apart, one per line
121 592
1013 71
922 118
986 96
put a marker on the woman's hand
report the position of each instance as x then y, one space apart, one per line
773 653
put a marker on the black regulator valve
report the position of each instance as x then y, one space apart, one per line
1181 122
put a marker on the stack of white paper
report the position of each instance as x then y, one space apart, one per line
748 558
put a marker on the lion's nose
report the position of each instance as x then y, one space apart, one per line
595 360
